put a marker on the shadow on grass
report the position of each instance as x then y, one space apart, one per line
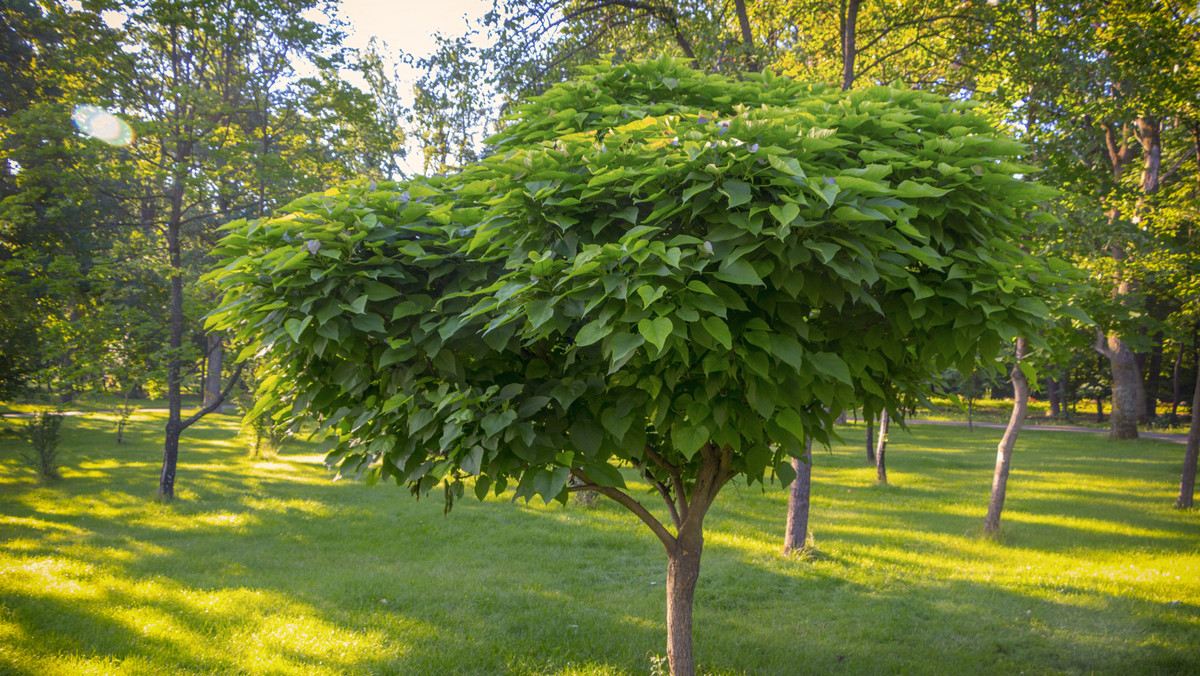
269 568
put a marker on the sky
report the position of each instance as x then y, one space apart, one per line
407 25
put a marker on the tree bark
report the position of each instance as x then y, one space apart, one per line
1128 397
881 449
849 41
796 533
1052 394
1004 450
1187 483
166 481
683 570
1153 374
870 439
216 359
747 37
1177 386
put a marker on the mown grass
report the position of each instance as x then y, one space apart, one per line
266 567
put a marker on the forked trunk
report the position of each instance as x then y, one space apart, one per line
683 570
1187 484
1004 451
796 534
870 441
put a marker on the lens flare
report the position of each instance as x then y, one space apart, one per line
103 125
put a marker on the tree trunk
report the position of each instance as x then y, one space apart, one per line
166 481
1153 373
1128 397
1177 386
1053 395
1187 484
796 534
870 439
881 449
683 570
849 40
1004 451
216 359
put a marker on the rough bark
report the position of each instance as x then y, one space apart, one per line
881 449
796 533
1187 483
1128 397
1004 450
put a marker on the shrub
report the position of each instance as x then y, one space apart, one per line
44 432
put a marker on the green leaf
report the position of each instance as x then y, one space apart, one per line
369 322
719 330
379 291
790 421
616 424
831 365
656 331
295 327
739 271
688 439
592 332
623 343
739 192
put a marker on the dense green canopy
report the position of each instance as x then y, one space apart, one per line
657 266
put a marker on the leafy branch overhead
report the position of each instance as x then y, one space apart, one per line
684 272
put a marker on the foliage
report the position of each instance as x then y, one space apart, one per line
43 431
659 263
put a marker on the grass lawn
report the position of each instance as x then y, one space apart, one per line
266 567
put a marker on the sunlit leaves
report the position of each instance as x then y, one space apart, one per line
717 269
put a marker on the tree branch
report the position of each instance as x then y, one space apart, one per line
632 505
676 480
215 403
663 491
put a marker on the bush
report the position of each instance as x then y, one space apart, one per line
44 432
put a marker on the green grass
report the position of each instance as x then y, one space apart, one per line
266 567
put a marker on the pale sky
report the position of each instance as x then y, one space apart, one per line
408 25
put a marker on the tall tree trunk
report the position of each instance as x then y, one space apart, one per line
870 438
849 21
212 376
796 533
166 481
1052 394
1176 386
881 449
747 37
1187 484
1153 374
1004 451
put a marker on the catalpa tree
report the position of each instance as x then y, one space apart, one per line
660 274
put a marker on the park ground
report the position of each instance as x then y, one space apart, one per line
266 566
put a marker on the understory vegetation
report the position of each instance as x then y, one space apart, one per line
266 566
